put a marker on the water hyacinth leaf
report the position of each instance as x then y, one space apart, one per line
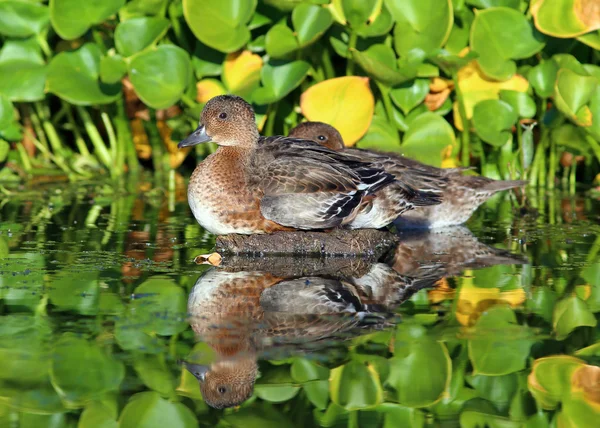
422 25
497 389
571 93
39 399
550 379
310 23
97 415
241 73
382 135
484 4
328 102
461 30
379 61
22 279
569 314
207 61
72 18
259 415
495 354
493 121
156 85
410 94
357 12
401 416
22 71
276 393
421 368
591 39
76 291
74 77
542 78
75 358
279 78
155 375
112 69
304 370
355 386
498 48
428 136
520 102
222 25
379 23
7 113
149 410
136 34
280 41
22 19
566 18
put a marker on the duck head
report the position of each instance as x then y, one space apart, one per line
319 132
227 120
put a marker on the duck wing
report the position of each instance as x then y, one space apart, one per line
307 186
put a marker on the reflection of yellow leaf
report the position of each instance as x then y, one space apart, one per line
241 72
345 103
473 301
476 86
140 139
207 89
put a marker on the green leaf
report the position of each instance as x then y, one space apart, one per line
207 61
279 78
22 19
25 283
542 78
422 25
137 34
22 71
410 94
155 375
484 4
7 112
280 41
497 389
73 76
304 370
72 18
572 92
500 346
493 121
355 386
222 25
159 86
112 69
565 18
74 359
382 135
4 146
400 416
570 313
427 138
420 369
459 36
379 61
76 291
357 12
97 415
276 393
310 23
149 410
498 48
520 102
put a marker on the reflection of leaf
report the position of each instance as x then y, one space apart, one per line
570 313
149 410
355 386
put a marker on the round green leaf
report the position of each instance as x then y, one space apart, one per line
279 79
520 102
22 71
207 61
493 121
570 313
565 18
155 375
112 69
276 393
280 41
222 24
73 76
484 4
542 78
355 386
379 61
428 136
571 93
380 26
75 290
7 113
149 410
410 94
357 12
304 370
310 22
156 85
382 135
422 25
22 19
497 48
420 369
97 415
72 18
137 34
74 359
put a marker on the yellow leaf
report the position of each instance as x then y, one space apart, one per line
345 103
475 86
566 18
473 301
241 72
207 89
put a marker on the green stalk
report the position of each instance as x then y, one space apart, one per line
99 146
110 132
176 26
327 65
387 103
157 148
271 115
594 145
49 129
351 45
552 165
573 178
24 157
79 141
188 101
171 189
37 127
520 144
126 147
465 133
41 39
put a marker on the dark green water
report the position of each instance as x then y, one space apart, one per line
496 326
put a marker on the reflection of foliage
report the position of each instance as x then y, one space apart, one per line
79 81
500 346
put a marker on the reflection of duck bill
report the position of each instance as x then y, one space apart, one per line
198 370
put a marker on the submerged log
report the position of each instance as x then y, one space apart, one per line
368 243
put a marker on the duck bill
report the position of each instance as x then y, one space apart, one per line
198 370
197 137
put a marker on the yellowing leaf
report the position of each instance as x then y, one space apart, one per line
241 72
473 301
345 103
207 89
566 18
475 86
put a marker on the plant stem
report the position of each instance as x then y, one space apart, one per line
49 130
552 164
271 115
385 96
572 178
520 144
594 145
110 132
79 141
99 146
465 133
327 65
126 146
182 41
351 45
157 148
24 157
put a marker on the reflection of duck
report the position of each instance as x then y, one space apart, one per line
242 314
460 194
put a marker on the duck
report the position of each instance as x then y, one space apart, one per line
460 194
255 185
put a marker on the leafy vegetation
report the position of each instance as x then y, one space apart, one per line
98 88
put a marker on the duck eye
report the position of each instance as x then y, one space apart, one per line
222 390
223 115
321 138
